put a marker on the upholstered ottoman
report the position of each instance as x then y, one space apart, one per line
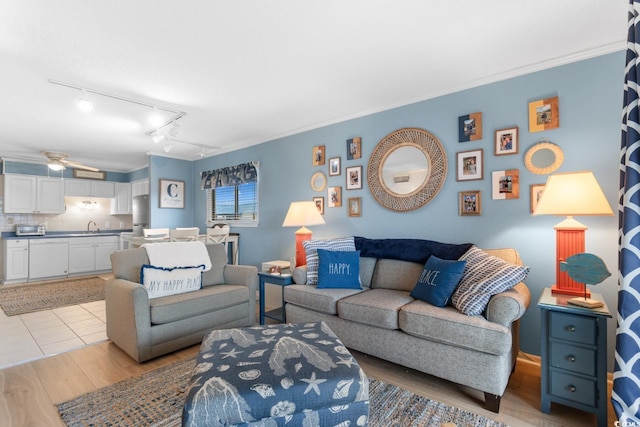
276 375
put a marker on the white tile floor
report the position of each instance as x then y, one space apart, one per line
34 335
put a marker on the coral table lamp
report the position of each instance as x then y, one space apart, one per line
571 194
302 214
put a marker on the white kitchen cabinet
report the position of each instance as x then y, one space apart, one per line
140 187
16 260
33 194
89 188
48 257
121 203
91 254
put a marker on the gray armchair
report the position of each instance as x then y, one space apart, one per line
146 328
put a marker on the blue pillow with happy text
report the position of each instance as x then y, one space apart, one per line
438 281
338 269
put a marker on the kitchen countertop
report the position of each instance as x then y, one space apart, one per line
11 235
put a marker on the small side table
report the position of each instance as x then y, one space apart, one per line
274 279
574 355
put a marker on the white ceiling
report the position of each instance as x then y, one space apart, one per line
249 71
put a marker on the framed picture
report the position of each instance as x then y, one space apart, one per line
171 194
319 201
335 197
354 178
81 173
536 192
544 114
470 127
469 165
505 184
506 141
354 148
318 155
469 203
334 166
355 206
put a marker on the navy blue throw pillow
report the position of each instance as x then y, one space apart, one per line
438 281
338 269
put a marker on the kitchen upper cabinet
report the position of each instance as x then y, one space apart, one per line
121 203
89 188
33 194
140 187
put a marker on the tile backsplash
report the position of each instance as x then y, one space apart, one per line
78 212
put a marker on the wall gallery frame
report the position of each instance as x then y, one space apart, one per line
505 184
354 148
334 166
171 194
535 194
544 114
470 127
334 195
469 165
354 178
469 203
318 155
355 206
319 201
506 141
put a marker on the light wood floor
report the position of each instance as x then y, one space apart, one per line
29 391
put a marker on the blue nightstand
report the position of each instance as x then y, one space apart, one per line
274 279
574 355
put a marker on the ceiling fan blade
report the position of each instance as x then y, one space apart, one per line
79 166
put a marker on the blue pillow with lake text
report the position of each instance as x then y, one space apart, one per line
438 281
338 269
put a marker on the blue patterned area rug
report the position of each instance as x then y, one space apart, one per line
156 399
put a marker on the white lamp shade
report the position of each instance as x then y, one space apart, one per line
301 214
573 194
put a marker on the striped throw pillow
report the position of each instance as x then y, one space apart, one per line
341 244
484 276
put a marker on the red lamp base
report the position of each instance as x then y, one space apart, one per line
569 241
301 235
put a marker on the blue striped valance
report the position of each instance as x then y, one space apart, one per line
230 176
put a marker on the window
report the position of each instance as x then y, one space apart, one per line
233 204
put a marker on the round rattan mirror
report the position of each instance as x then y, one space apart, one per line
318 181
407 169
543 158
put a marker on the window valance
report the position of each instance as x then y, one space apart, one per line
230 176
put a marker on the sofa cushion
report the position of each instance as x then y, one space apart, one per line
412 250
447 325
206 300
438 281
311 249
338 270
484 276
322 300
163 281
375 307
394 274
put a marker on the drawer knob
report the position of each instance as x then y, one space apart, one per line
571 328
571 388
571 358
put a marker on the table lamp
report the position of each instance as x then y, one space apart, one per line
571 194
301 214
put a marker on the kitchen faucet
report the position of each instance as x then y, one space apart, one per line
89 227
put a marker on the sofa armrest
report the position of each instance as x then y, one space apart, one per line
509 306
246 275
129 317
299 275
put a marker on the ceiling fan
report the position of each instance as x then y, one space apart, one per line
59 161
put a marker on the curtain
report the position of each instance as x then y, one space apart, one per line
230 176
626 377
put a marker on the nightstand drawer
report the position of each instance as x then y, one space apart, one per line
573 388
580 329
573 358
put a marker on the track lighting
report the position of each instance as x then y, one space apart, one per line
167 148
202 154
83 103
174 129
158 137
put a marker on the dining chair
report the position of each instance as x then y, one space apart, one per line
184 234
156 232
218 234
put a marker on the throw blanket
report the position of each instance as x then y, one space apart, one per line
178 254
413 250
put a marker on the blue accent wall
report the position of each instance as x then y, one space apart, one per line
590 99
174 170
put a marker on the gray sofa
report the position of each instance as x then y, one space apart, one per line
383 320
146 328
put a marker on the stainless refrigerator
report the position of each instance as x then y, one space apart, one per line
140 210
